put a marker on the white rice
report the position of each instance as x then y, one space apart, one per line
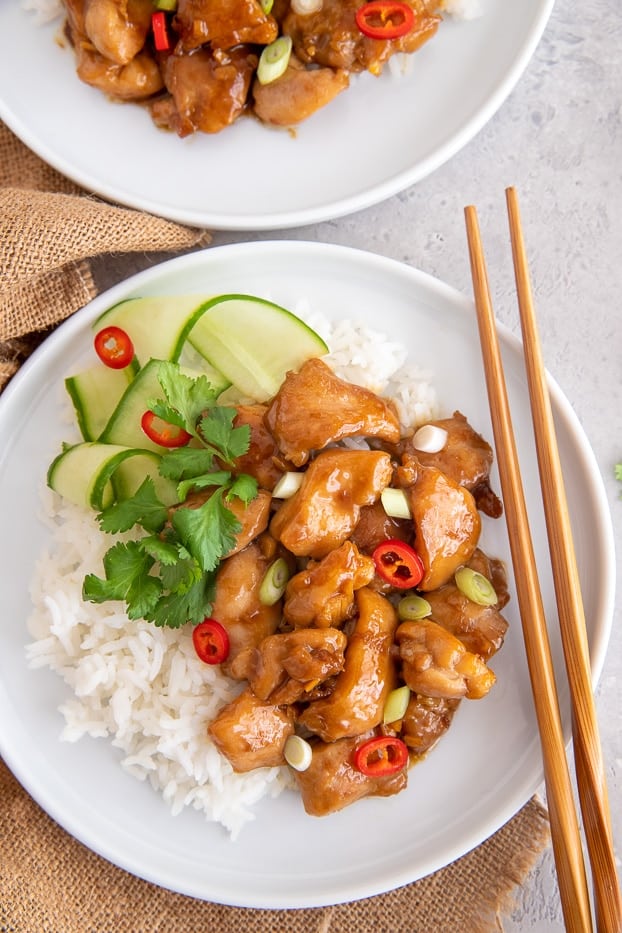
143 687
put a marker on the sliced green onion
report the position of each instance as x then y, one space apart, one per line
274 60
412 608
430 439
298 753
287 485
274 583
266 5
396 705
475 586
168 6
395 503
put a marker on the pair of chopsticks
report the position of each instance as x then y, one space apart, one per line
591 785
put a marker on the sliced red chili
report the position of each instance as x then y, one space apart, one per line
211 641
160 32
385 19
163 432
114 347
381 756
398 564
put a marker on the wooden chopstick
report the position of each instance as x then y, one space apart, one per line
590 772
566 840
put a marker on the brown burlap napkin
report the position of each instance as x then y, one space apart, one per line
49 882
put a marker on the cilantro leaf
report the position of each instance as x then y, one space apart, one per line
244 487
188 396
185 462
217 478
207 532
166 552
144 508
217 430
180 576
127 569
175 610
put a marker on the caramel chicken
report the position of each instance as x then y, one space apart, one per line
447 523
262 460
207 89
117 28
466 458
323 513
425 721
332 37
314 408
323 593
357 702
332 783
481 629
238 608
436 664
224 24
298 93
250 733
286 667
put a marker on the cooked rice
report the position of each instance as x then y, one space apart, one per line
143 686
44 10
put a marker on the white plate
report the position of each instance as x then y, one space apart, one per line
481 772
374 140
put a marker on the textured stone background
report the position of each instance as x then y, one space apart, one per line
558 139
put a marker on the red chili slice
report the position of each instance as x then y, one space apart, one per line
114 347
398 564
160 32
211 641
385 19
381 756
163 432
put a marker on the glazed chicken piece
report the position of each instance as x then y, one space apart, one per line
262 459
323 593
298 93
357 702
138 79
331 36
314 408
208 89
425 721
331 782
250 733
436 664
223 23
285 667
253 517
481 629
118 28
466 458
238 608
375 526
447 523
321 515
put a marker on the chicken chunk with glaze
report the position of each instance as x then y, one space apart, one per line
322 514
314 408
436 664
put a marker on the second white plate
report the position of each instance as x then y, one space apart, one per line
379 137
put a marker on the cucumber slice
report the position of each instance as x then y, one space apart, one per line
83 474
156 325
95 393
253 342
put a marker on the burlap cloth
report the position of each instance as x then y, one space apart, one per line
50 232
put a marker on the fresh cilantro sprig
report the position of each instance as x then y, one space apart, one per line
168 575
